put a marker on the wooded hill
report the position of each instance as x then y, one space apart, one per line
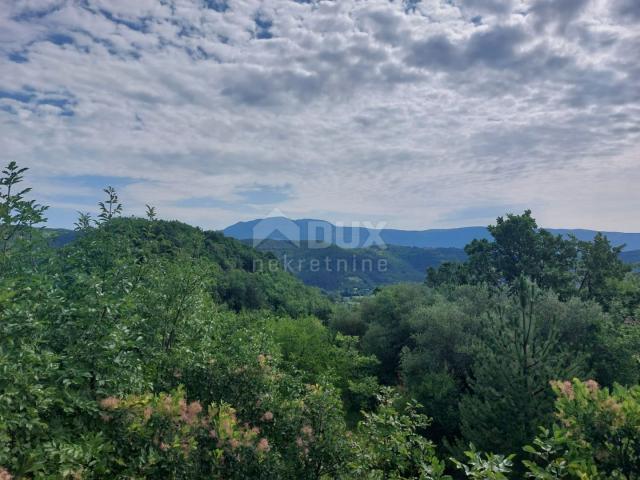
152 349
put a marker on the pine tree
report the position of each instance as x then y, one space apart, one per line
510 391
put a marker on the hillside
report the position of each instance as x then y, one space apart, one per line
280 228
360 269
630 256
139 348
230 264
357 271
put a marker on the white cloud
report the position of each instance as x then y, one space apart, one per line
365 110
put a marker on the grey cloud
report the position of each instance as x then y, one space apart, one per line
557 13
436 52
261 194
266 87
627 10
500 7
396 108
600 88
495 48
385 25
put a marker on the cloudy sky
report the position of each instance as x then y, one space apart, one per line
420 114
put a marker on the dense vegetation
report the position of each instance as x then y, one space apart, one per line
357 271
152 349
354 272
346 273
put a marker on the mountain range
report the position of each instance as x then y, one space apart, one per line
320 231
357 271
353 267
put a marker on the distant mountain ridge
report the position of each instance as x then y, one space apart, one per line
310 230
357 271
402 263
631 256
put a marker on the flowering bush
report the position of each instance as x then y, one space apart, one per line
167 436
596 434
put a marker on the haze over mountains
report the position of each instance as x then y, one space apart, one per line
310 230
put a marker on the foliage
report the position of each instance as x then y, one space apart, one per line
616 353
448 273
111 207
151 349
314 353
484 466
17 214
388 444
436 369
514 362
387 315
520 248
355 272
595 436
167 436
84 222
599 268
150 212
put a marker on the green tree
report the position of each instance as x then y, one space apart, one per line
599 268
312 351
151 213
435 370
83 223
514 362
17 214
520 248
387 316
448 273
111 207
388 444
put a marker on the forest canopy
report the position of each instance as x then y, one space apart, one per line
147 348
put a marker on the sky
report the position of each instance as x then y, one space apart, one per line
413 114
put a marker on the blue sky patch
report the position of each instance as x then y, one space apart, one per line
263 27
217 5
85 190
30 15
93 182
411 5
60 39
62 217
29 96
18 96
17 57
8 109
